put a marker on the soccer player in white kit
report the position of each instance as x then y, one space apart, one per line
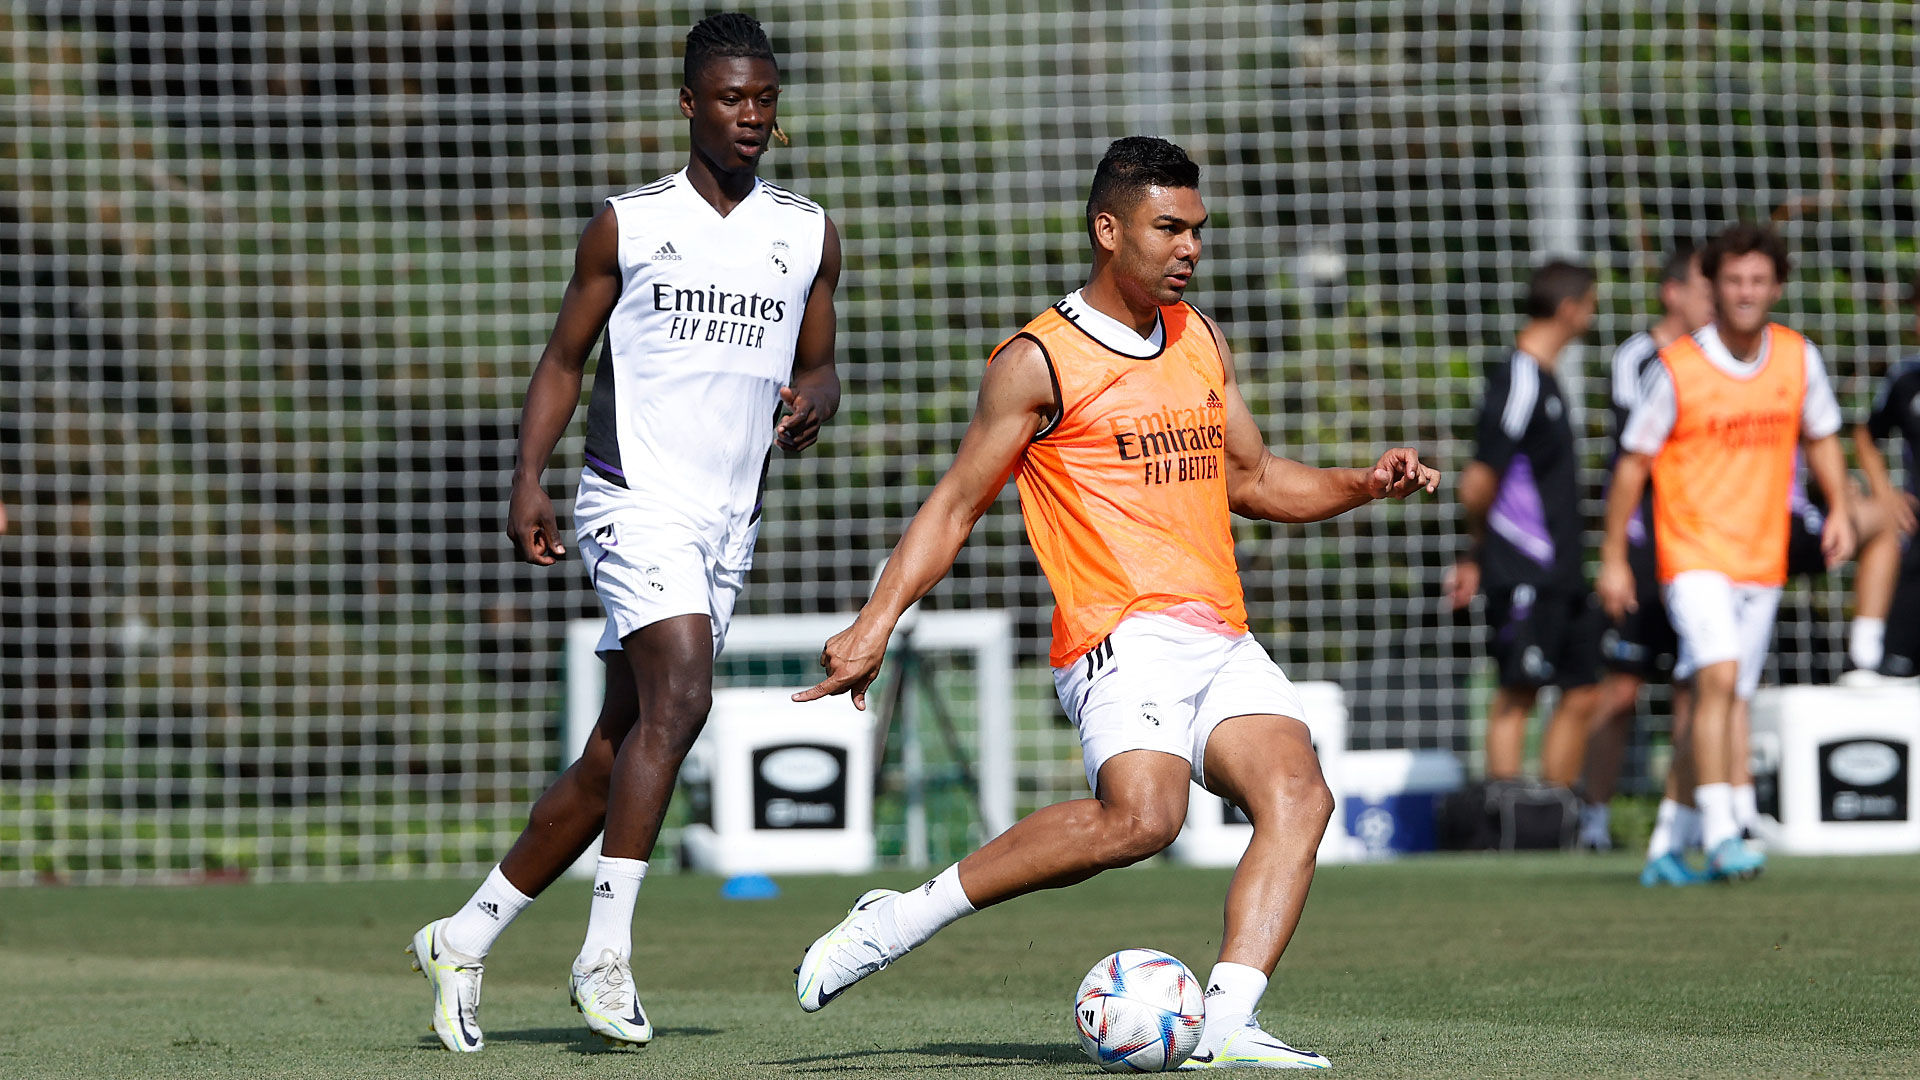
715 290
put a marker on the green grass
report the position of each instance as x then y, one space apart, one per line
1445 967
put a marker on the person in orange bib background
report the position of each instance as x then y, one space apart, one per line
1719 419
1117 414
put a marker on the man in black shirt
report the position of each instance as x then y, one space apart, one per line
1521 496
1896 408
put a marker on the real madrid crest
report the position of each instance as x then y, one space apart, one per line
779 257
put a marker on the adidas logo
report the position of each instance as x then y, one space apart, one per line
603 891
1215 989
492 909
666 253
1213 399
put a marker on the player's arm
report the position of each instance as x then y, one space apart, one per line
1648 427
812 395
1828 463
1263 485
1615 586
1478 486
1880 482
554 391
1016 399
1820 435
1501 424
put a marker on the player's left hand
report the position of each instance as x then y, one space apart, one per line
852 658
1399 473
1837 539
797 430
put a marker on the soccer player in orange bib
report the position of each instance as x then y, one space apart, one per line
1117 414
1716 427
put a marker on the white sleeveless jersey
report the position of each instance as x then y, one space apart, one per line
680 422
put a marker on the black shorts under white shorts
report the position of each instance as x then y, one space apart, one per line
1544 636
1804 558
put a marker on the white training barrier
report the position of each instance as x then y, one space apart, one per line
1217 833
1834 769
776 786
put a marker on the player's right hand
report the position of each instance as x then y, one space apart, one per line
1616 590
530 525
852 659
1462 581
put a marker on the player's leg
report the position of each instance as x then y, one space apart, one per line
1139 809
1609 729
1756 607
1266 765
1506 739
563 822
1252 752
671 662
1572 646
1676 824
1902 659
1875 576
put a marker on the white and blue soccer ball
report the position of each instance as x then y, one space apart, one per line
1139 1010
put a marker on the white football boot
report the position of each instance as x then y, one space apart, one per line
456 988
604 994
845 954
1249 1047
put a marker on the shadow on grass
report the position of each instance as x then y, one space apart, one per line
573 1038
990 1055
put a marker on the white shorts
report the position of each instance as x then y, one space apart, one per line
1718 620
1157 683
643 576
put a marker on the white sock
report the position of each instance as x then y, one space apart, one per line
1717 823
1666 834
1686 827
1867 643
918 914
475 927
1746 806
1233 990
616 885
1594 819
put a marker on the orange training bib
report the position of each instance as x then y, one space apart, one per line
1125 497
1727 467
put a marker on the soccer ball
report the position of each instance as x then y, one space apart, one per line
1139 1010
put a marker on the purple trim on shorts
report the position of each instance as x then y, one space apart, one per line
604 467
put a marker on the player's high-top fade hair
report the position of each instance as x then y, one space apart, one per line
1745 238
726 36
1679 264
1554 284
1131 166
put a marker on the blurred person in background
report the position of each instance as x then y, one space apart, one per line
715 292
1716 429
1641 645
1884 639
1521 500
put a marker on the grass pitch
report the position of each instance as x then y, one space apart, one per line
1445 967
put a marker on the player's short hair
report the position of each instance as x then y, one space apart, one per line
1745 238
1554 283
1130 167
726 36
1679 264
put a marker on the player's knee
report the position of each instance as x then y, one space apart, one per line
683 706
1141 834
1299 800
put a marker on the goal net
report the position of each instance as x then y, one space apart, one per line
277 273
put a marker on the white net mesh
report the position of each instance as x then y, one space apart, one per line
277 273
